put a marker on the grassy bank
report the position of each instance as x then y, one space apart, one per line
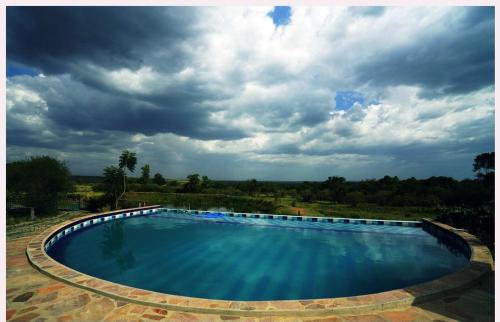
203 201
21 225
285 205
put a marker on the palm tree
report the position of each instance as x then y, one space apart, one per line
128 160
112 180
193 183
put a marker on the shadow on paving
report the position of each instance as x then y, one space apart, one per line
473 304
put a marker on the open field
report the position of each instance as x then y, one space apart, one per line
326 208
264 203
283 205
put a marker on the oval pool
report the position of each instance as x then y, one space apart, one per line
252 259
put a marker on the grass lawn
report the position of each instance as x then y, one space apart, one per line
86 191
20 226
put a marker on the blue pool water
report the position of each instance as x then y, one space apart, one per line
255 259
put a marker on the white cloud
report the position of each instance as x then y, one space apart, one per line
278 86
21 100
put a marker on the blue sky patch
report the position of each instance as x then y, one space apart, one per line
346 99
280 15
17 69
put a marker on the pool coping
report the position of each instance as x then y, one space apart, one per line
480 264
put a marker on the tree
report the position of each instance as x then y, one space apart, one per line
158 179
388 183
484 167
252 186
306 195
128 160
113 177
40 179
354 198
205 182
337 188
145 174
193 183
484 164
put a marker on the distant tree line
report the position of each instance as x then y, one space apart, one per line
392 191
436 191
387 191
467 203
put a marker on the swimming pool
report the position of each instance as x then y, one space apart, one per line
243 258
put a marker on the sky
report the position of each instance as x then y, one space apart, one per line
271 93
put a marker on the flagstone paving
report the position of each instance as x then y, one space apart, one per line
33 296
33 227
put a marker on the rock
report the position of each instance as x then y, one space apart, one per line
23 297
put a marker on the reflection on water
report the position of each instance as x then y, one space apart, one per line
112 246
250 262
453 246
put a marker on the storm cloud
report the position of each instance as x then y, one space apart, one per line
459 58
55 39
228 92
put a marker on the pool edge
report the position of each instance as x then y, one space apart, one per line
480 264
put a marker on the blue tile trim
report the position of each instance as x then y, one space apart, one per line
85 223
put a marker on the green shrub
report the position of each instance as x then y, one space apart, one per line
96 204
354 198
42 179
479 221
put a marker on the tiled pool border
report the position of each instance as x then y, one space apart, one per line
101 218
407 223
480 264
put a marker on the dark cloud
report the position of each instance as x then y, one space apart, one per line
89 42
62 140
479 15
55 38
457 61
450 157
27 137
74 106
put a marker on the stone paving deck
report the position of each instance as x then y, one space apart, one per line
33 296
